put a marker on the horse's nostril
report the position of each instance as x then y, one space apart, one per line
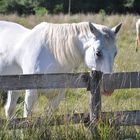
99 53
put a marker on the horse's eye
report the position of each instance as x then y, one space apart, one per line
98 53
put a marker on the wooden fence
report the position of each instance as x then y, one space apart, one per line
94 81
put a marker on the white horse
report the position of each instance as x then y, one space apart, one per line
137 33
53 48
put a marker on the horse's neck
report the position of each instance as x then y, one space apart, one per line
66 48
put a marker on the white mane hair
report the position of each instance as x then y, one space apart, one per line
62 39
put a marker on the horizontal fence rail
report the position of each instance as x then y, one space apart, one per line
113 118
121 80
68 80
44 81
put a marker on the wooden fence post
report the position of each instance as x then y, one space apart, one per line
95 98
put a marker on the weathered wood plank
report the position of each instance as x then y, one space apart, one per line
122 118
41 121
44 81
70 80
95 97
121 80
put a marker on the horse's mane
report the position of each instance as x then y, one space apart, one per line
62 40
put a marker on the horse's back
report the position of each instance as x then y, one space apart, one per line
10 31
11 25
10 34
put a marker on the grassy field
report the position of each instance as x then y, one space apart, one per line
78 100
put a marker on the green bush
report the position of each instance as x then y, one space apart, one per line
41 11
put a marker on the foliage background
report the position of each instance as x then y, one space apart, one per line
41 7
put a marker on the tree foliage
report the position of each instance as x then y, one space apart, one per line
56 6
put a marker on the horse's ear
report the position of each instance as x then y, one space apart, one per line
116 28
93 29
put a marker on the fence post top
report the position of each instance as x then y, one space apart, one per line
95 73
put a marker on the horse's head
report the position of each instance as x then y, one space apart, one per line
100 48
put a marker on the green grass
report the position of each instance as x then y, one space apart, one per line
78 100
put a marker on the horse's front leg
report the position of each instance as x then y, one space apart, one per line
11 104
30 99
